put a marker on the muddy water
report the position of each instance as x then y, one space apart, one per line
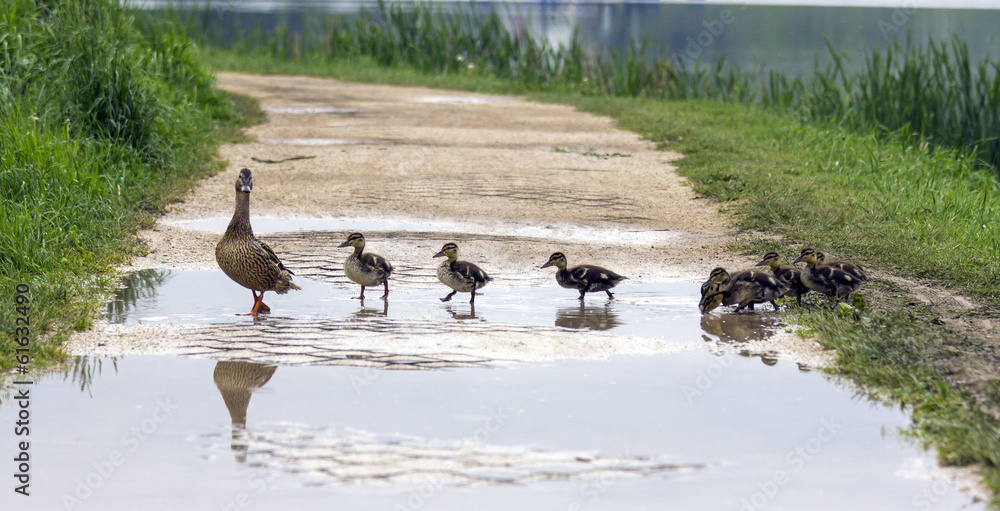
530 398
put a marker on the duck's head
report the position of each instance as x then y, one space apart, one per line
449 250
558 260
807 256
711 297
356 240
770 259
820 258
244 183
719 275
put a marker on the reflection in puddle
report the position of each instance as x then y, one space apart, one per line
591 317
137 287
323 309
485 439
373 312
463 312
237 381
740 328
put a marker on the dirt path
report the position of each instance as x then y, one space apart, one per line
380 151
501 166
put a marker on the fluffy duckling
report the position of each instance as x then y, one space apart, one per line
851 268
585 277
788 277
459 275
827 279
365 268
743 289
248 260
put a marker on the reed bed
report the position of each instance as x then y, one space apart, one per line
934 93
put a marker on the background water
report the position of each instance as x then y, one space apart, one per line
788 38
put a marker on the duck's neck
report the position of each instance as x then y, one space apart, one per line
451 261
358 250
241 217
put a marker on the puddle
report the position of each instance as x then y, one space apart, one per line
310 110
320 141
460 100
195 313
692 429
530 398
562 232
644 309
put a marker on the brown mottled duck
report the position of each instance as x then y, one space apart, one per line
827 279
585 277
788 277
743 289
853 269
366 268
248 260
459 275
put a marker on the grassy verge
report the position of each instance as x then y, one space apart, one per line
884 202
103 123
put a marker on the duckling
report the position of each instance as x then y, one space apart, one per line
459 275
743 289
248 260
584 277
851 268
367 269
827 279
788 277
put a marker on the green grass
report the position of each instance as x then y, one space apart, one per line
102 125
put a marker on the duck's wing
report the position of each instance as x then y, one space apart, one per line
470 272
376 262
271 256
591 277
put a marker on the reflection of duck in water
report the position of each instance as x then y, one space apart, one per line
456 314
590 318
740 328
236 382
372 312
736 328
